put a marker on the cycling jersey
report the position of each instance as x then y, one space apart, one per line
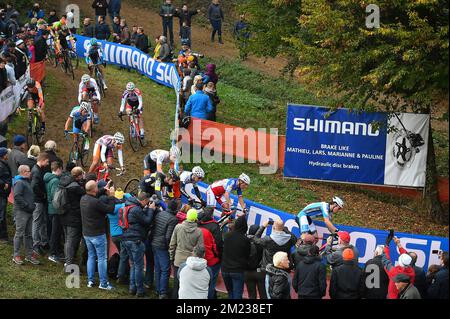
186 178
94 54
78 118
36 93
154 183
104 147
63 40
91 87
154 158
216 191
312 210
132 99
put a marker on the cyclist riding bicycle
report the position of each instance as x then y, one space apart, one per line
192 178
54 31
327 210
103 150
80 118
153 161
132 102
159 184
88 90
35 96
95 57
220 191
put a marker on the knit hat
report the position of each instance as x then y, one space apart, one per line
3 151
348 254
19 140
344 236
192 215
404 260
402 278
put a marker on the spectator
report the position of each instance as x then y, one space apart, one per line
181 215
215 17
431 273
194 276
210 90
374 287
142 40
346 278
50 149
10 10
199 105
17 154
88 28
184 238
279 279
102 31
3 28
100 7
37 68
438 288
71 219
21 58
93 213
36 12
420 281
3 75
236 249
310 279
164 53
303 248
334 256
406 289
23 213
163 228
185 34
157 48
134 35
403 267
242 35
40 236
140 216
185 16
5 189
167 12
12 26
51 184
52 18
116 26
31 158
114 7
254 277
124 35
115 231
210 74
10 68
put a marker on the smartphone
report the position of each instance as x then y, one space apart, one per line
270 222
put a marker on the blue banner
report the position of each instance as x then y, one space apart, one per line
356 147
130 57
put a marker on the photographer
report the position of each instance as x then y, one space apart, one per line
334 255
438 288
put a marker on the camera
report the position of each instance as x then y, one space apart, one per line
155 199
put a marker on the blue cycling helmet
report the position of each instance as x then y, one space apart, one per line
94 41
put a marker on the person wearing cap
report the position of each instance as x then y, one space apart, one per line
373 267
185 237
50 149
310 278
5 189
403 267
345 279
334 254
406 289
21 58
17 153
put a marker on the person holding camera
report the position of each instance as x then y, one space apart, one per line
334 254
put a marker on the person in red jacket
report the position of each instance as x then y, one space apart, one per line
403 267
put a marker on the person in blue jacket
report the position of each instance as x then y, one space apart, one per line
36 12
199 105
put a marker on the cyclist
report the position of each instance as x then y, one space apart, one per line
132 102
219 192
61 40
153 161
304 219
103 150
34 95
80 118
54 31
88 90
192 178
95 56
159 183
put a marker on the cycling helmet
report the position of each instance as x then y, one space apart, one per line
86 106
118 137
130 86
173 175
338 201
85 78
93 41
198 171
69 15
31 83
175 152
243 177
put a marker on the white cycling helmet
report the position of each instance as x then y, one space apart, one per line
338 201
175 152
85 106
118 137
85 78
198 171
130 86
69 15
244 177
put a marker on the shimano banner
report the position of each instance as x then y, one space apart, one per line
130 57
365 239
356 147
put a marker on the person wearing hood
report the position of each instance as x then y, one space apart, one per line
279 279
163 227
375 266
254 277
211 91
185 237
215 17
236 249
17 153
210 74
346 279
310 278
5 189
199 105
164 51
194 276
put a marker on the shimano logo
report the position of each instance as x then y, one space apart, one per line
334 127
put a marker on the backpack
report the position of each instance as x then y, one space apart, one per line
60 200
123 216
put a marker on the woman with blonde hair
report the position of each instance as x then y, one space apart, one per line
32 154
197 80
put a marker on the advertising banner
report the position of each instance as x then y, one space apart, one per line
356 147
11 96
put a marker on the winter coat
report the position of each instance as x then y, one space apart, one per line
184 238
334 257
23 195
382 290
300 253
139 220
75 190
438 288
310 278
345 281
100 7
142 43
420 281
215 12
114 229
394 271
279 287
255 256
22 62
214 228
199 105
51 184
210 74
36 14
114 6
40 49
15 157
236 248
167 9
194 277
93 214
211 252
5 178
116 28
410 292
29 161
163 227
38 184
186 16
88 31
164 52
102 31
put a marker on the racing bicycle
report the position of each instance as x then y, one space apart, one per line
134 136
79 153
99 79
104 173
66 63
34 135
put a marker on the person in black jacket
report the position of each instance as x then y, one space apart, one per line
32 155
375 269
438 288
142 42
140 216
185 17
5 189
278 277
88 28
236 249
167 12
40 235
22 61
420 280
102 31
254 277
52 17
40 47
3 75
50 149
100 7
310 279
303 247
346 278
163 226
93 220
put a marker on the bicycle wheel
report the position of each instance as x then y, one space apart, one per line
51 57
74 154
133 137
29 135
132 187
100 82
38 135
74 58
84 153
69 66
